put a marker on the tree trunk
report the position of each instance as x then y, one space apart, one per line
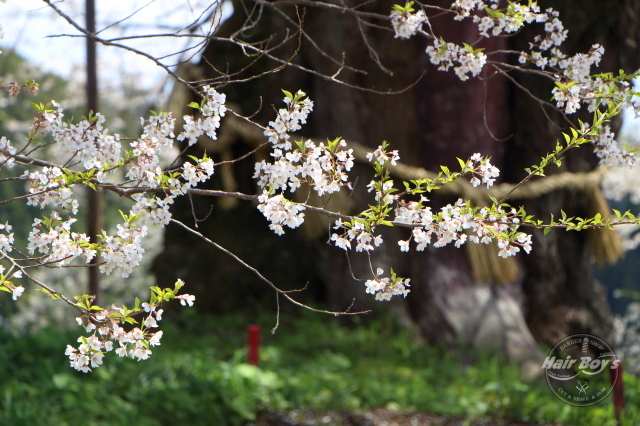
432 123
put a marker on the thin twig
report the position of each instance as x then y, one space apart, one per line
262 278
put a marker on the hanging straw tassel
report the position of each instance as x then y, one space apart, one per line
603 244
487 266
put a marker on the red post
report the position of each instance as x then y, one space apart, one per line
254 344
618 390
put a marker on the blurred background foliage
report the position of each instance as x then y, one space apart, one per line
199 377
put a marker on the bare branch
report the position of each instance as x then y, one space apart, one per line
262 278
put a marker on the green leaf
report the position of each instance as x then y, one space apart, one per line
287 94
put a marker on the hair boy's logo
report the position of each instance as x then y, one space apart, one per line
578 369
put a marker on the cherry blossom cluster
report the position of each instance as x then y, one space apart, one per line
88 141
383 187
608 150
555 32
194 174
381 156
508 20
508 249
382 191
359 231
499 21
46 120
49 188
8 286
362 230
482 171
458 223
406 24
512 19
152 209
324 167
6 238
53 237
385 288
453 224
280 211
577 85
156 140
96 150
122 251
212 110
106 329
555 35
463 8
580 86
491 21
289 119
6 153
89 144
465 60
6 246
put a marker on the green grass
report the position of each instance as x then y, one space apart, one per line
198 377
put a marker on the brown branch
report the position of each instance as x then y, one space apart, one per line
262 278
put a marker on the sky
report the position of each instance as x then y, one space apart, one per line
33 28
